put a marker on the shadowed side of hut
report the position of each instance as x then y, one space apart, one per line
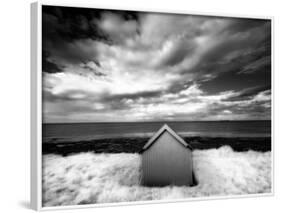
167 160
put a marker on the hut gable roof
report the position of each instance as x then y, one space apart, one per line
164 128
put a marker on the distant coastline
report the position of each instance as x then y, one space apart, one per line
135 144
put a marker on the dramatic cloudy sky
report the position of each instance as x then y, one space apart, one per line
101 65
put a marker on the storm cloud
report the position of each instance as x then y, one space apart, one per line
109 65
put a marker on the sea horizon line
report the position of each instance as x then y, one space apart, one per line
158 121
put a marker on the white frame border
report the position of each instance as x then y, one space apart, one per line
36 106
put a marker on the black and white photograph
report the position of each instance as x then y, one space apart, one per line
146 106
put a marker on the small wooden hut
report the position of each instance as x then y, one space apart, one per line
167 160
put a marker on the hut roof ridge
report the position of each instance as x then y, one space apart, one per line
164 128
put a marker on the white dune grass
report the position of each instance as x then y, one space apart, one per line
89 178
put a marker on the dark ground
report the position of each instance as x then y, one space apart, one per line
135 144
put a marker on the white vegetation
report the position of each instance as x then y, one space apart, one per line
88 178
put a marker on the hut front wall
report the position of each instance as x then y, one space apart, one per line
167 162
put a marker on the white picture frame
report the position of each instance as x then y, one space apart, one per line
36 109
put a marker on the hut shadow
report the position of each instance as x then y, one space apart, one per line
194 180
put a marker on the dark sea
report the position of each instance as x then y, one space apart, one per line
125 129
130 137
